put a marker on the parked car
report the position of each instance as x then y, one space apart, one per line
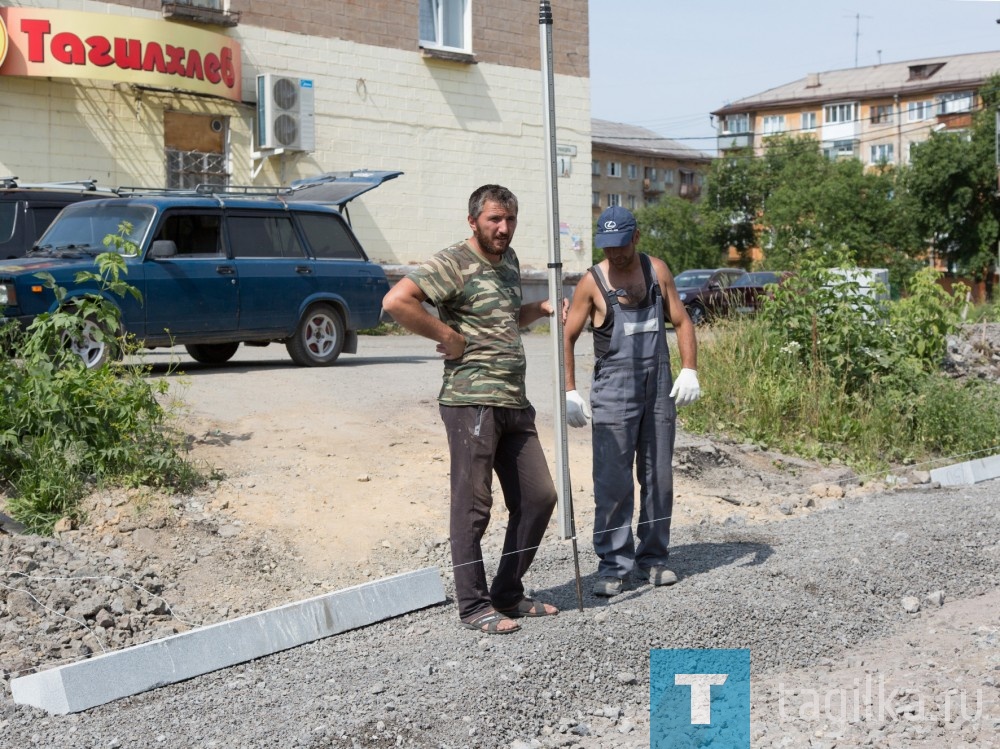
747 293
703 291
26 210
216 269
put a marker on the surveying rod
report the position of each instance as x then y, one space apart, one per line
564 492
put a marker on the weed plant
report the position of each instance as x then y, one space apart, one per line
65 429
823 375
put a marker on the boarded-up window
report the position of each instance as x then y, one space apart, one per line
195 148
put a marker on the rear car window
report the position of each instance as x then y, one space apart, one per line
8 211
43 216
263 236
329 238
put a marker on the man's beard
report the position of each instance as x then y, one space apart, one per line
486 245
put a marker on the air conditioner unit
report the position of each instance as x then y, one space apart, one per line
285 113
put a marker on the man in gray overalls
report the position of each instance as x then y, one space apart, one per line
626 297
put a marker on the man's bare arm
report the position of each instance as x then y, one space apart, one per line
687 344
405 302
579 313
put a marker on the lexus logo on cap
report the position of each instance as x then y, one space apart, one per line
610 225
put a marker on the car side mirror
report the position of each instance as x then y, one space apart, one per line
162 249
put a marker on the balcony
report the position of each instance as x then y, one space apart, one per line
651 187
733 141
690 191
201 11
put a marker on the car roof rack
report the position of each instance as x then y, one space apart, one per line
83 185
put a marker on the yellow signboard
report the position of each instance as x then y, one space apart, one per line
72 44
3 41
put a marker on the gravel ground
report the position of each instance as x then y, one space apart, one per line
892 595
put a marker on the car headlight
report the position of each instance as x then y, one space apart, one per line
8 295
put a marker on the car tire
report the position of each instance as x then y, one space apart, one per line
94 345
212 353
319 338
697 315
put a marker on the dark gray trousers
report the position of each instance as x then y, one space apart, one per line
481 440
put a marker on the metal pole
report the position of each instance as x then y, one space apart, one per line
567 528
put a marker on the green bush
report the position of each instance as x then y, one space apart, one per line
66 428
759 387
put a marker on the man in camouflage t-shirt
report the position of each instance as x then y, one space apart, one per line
476 287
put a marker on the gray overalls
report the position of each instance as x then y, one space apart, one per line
633 421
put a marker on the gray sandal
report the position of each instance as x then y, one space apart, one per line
488 623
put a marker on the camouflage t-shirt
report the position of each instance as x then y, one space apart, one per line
482 302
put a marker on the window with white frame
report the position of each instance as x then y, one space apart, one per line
595 168
956 101
595 199
835 113
919 110
883 153
668 176
650 173
445 24
632 203
633 171
881 114
614 198
774 123
808 121
734 124
614 169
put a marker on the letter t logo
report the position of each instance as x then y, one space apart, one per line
701 694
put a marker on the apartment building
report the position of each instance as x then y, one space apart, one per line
633 167
874 113
241 92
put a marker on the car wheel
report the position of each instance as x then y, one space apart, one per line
697 315
319 339
94 345
212 353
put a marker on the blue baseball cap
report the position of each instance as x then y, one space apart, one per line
615 227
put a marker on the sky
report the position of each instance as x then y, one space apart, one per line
666 64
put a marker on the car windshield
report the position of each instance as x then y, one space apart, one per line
691 279
84 226
756 279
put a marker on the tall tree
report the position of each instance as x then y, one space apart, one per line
673 231
953 178
735 189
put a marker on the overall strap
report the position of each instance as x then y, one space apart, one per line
602 283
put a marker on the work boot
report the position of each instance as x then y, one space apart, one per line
657 575
608 586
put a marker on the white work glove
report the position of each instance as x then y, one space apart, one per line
577 410
686 388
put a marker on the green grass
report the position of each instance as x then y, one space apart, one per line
756 388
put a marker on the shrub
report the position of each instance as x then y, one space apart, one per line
67 427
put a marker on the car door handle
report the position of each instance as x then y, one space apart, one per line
303 269
225 270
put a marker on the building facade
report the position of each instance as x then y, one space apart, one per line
239 92
634 167
873 113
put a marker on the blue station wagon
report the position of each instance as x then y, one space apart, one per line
217 269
